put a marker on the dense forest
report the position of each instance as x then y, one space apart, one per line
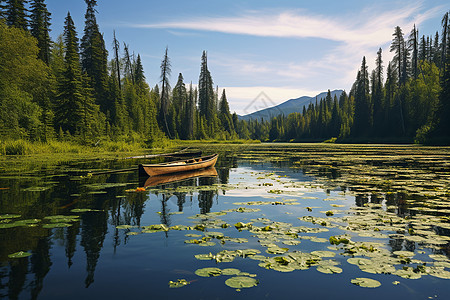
411 105
68 89
72 89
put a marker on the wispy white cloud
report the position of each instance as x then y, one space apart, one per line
353 37
366 28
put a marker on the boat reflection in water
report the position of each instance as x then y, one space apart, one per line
177 177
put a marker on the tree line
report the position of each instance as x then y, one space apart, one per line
411 105
72 89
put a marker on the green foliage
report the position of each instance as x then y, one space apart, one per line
25 82
16 14
412 106
39 28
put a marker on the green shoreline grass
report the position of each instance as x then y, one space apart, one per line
24 147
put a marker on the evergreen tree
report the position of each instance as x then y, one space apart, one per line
40 27
129 74
363 115
445 32
2 10
224 114
437 51
138 75
94 57
75 111
377 95
189 118
179 102
398 47
206 94
117 60
413 46
16 14
441 133
165 93
423 49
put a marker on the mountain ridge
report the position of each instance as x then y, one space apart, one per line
288 106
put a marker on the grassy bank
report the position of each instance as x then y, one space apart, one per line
24 147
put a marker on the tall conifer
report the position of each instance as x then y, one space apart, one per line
75 111
16 14
40 28
165 92
94 57
206 93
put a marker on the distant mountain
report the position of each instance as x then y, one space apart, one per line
288 107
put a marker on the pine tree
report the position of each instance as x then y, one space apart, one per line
2 10
413 46
398 47
117 60
224 114
206 95
40 27
423 49
138 75
442 121
445 32
16 14
165 93
75 110
129 72
67 111
189 118
363 115
94 57
377 95
437 51
179 102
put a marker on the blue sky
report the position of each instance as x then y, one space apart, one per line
285 49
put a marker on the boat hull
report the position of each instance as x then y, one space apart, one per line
178 166
178 177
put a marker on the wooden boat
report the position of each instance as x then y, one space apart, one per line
177 177
178 166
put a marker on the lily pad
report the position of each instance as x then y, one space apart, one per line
329 269
324 253
208 272
9 216
83 210
179 283
20 254
240 282
438 257
125 226
404 253
366 282
230 271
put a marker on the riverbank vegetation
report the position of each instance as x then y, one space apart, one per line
70 90
73 92
409 102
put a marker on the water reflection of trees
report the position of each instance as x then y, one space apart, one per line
89 233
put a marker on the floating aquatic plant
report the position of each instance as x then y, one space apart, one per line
366 282
20 254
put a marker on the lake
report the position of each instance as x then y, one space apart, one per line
308 221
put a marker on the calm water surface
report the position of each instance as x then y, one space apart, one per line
291 203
